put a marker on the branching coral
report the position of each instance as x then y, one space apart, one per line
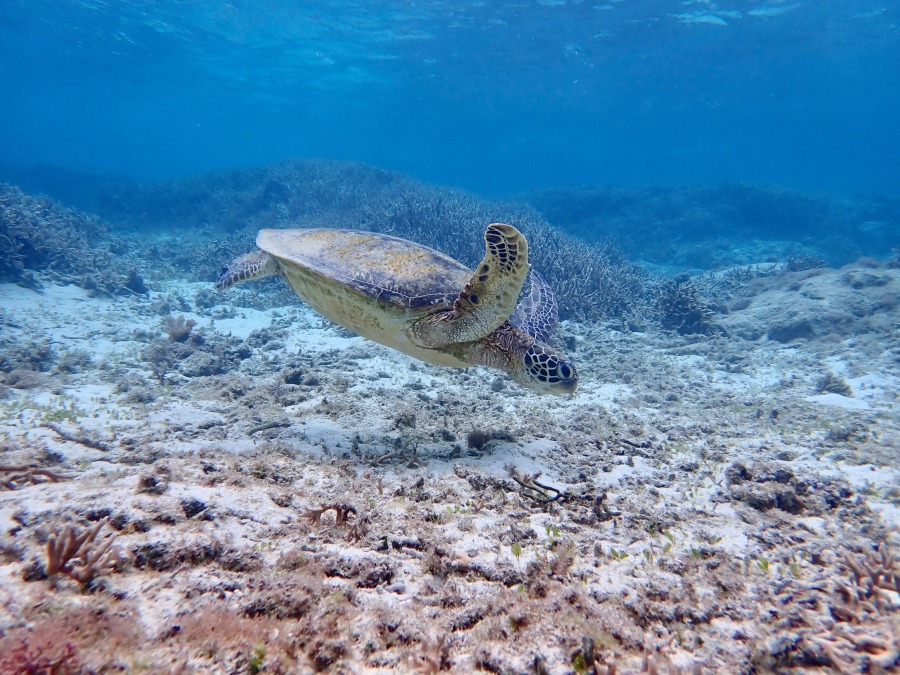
37 233
177 328
866 637
876 578
681 308
590 279
31 355
692 226
860 651
79 554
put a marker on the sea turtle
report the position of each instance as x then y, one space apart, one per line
420 301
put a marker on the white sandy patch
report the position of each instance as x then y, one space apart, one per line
839 401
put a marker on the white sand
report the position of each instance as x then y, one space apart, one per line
690 559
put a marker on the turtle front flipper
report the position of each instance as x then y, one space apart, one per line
489 297
248 267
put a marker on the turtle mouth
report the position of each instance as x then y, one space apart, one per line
225 278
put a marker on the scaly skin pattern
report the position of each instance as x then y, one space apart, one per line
248 267
529 362
488 298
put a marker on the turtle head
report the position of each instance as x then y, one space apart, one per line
546 371
529 362
248 267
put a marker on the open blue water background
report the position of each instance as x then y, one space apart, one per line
497 97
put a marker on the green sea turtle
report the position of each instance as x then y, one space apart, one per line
420 301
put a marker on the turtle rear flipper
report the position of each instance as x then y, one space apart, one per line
538 314
488 298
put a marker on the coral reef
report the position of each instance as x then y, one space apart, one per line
210 219
591 280
261 492
39 236
37 233
710 226
190 354
33 355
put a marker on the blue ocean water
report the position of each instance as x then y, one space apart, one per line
496 97
363 469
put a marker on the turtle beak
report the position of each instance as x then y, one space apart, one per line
565 385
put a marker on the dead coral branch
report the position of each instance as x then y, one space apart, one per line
343 512
531 488
12 477
80 440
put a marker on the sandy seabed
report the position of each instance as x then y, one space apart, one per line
261 491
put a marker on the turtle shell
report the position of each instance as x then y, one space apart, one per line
391 271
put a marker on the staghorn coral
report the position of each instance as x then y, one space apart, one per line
33 355
860 650
850 624
37 233
706 218
79 554
874 578
41 238
681 308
